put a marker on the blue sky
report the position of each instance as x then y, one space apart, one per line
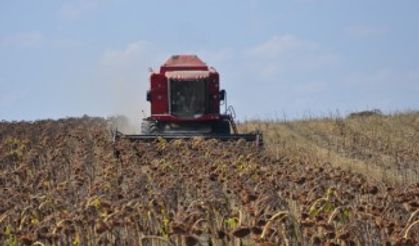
293 58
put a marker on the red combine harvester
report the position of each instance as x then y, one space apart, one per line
185 100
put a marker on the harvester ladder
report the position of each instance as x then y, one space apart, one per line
231 115
233 124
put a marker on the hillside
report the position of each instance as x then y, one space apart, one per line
384 147
337 181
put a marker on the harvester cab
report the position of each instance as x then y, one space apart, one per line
185 99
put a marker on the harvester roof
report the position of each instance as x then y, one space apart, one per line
183 62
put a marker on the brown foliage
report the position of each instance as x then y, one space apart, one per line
65 182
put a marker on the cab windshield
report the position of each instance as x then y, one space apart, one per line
188 98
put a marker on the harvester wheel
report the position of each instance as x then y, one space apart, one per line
149 127
222 127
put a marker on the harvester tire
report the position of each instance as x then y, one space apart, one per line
149 127
222 127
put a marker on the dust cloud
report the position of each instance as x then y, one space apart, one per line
124 76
